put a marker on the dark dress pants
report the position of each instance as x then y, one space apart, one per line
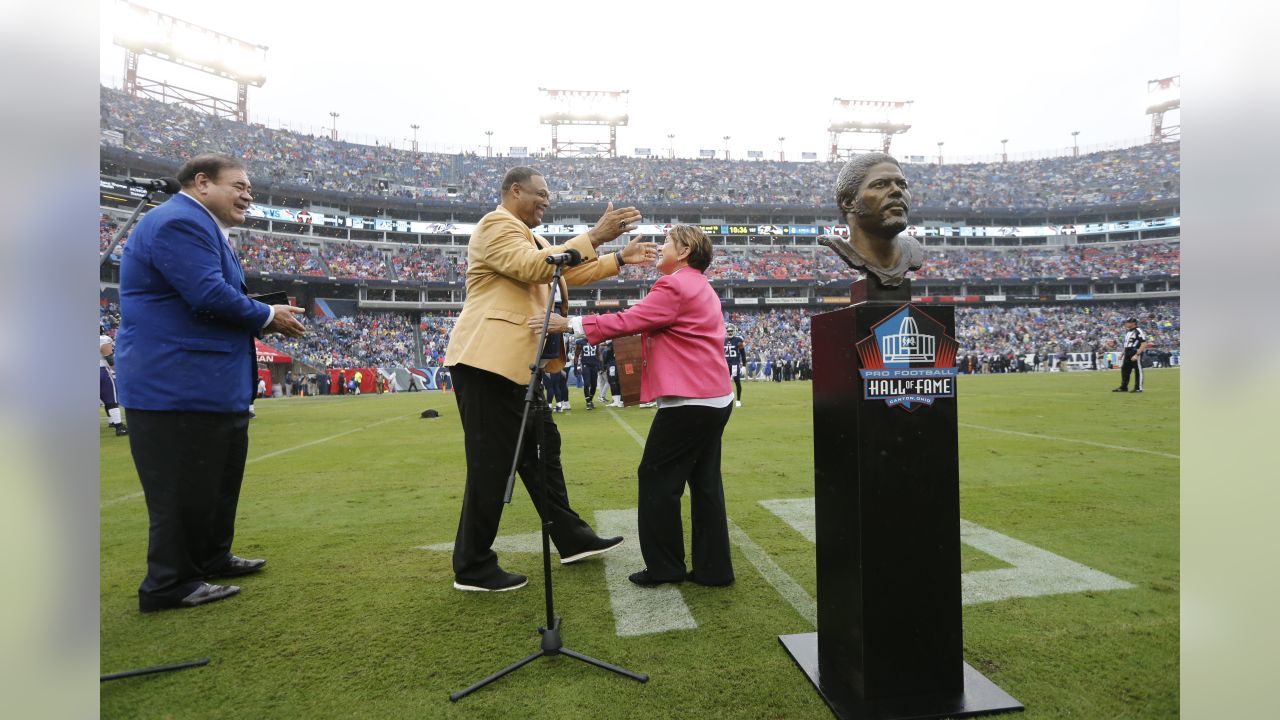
491 408
683 447
191 465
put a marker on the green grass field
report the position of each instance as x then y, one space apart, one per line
354 619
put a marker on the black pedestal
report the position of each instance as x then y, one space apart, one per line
886 495
979 696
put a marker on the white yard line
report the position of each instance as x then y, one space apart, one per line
784 584
1055 438
630 430
1035 571
637 610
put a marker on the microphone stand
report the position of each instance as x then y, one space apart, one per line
551 644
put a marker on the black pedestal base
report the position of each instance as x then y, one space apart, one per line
980 697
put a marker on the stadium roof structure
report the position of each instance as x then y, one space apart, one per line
584 107
142 31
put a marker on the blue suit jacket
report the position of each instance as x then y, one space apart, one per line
186 321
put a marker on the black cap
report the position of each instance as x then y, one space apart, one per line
1132 320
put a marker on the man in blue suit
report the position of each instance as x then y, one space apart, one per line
186 374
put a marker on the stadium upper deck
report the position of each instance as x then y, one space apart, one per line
311 169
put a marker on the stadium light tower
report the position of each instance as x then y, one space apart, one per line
334 131
726 148
142 31
1004 150
488 148
940 142
1164 95
671 146
415 127
1075 143
885 118
782 156
584 107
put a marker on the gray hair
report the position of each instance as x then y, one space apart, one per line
855 171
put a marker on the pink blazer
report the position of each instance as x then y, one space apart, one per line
682 336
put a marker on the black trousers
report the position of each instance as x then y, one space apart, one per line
590 374
683 447
191 465
491 407
1132 365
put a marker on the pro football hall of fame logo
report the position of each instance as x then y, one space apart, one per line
908 360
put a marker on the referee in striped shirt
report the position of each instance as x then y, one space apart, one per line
1135 341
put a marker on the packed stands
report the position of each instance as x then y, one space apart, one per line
428 264
355 260
107 227
1051 329
279 255
1134 175
365 340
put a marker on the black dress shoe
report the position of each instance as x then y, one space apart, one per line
206 593
1120 390
238 566
594 547
644 579
501 581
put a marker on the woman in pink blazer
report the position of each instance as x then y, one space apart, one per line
683 369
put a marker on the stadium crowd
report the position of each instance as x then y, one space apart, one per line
997 330
1138 174
363 340
278 254
355 260
284 254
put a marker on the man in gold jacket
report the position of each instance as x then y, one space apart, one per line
490 348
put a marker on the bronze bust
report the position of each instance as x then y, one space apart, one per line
873 197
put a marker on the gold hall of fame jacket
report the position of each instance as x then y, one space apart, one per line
508 280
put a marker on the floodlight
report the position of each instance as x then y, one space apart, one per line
1164 94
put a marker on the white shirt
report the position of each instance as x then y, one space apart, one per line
226 237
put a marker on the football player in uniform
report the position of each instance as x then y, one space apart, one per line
610 365
588 368
734 354
107 384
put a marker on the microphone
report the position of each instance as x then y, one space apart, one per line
165 184
569 258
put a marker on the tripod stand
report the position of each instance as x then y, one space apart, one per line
551 644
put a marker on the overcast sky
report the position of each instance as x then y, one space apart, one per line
977 72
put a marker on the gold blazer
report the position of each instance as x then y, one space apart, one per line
508 280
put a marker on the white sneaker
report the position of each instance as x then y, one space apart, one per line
564 406
737 403
617 402
252 413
